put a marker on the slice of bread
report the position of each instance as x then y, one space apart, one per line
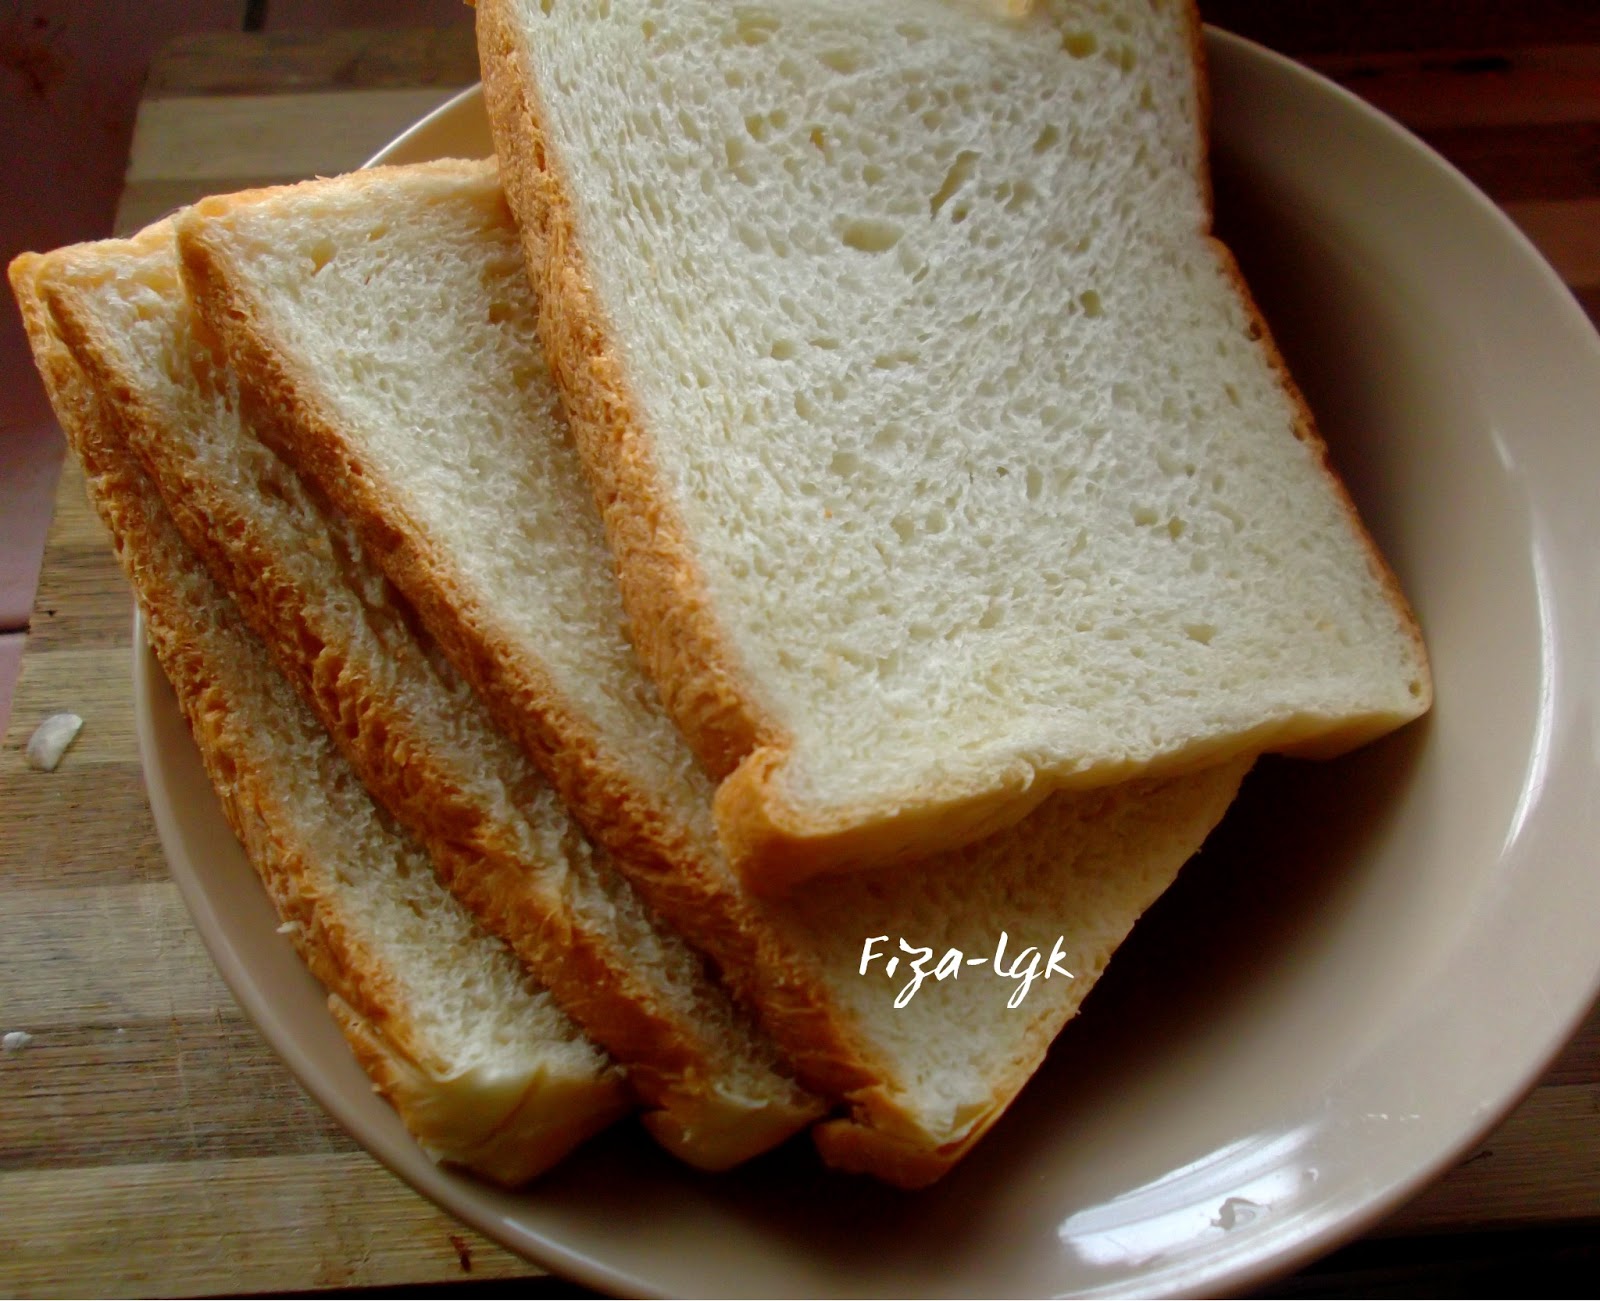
473 498
945 458
482 1066
411 728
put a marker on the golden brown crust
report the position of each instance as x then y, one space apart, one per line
542 1126
879 1137
669 863
855 1148
669 1057
679 641
290 416
776 847
522 1137
773 844
674 870
150 553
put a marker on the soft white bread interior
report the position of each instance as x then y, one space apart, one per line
475 499
1068 883
409 725
944 456
482 1066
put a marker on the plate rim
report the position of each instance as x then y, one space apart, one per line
455 1193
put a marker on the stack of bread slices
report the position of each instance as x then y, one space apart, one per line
821 497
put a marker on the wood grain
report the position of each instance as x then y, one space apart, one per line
150 1142
1541 1166
149 200
275 63
271 1224
1308 27
1527 87
285 136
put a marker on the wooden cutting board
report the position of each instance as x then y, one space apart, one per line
150 1143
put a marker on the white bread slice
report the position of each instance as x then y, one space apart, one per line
944 455
482 1066
474 499
413 731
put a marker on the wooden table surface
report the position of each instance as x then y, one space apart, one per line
151 1144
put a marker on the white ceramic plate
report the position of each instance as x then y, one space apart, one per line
1372 961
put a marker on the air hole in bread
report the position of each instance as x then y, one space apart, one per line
871 235
888 438
959 173
1017 194
321 253
751 27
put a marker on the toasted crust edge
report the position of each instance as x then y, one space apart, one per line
530 1138
680 643
773 844
670 1062
527 1137
673 868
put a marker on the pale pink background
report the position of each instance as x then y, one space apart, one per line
70 76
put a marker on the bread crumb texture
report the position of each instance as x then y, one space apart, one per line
981 453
